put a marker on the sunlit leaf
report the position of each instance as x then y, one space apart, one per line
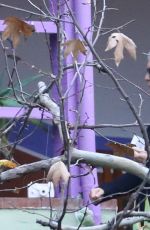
58 173
8 164
119 41
75 47
16 27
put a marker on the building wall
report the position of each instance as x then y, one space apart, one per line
32 50
108 104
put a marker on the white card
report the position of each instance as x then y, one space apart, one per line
138 141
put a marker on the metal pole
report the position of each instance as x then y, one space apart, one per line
86 139
70 105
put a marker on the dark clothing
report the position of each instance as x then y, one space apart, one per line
122 184
125 184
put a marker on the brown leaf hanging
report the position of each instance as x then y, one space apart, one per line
121 41
121 149
16 27
58 173
74 47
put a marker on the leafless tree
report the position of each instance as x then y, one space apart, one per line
44 100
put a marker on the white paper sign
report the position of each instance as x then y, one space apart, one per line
138 141
41 190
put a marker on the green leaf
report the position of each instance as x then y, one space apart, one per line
25 82
5 92
9 102
8 91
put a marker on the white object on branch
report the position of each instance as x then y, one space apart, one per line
46 101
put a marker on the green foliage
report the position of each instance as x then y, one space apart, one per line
6 98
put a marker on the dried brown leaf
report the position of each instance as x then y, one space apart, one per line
74 47
112 42
119 41
118 53
58 173
121 149
16 27
130 46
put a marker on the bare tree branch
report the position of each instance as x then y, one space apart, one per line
107 160
92 158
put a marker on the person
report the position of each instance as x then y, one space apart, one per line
123 184
126 183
